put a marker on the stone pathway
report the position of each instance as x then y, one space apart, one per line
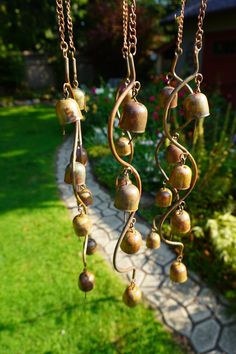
190 309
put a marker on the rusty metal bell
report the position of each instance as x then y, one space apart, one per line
127 196
165 94
80 174
121 89
180 222
81 155
196 106
123 147
79 96
134 117
181 177
178 272
131 242
173 154
153 240
68 111
164 197
91 246
82 224
86 281
132 295
85 195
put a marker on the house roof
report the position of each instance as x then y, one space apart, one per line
192 8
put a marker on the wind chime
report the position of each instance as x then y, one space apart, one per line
182 177
68 110
132 122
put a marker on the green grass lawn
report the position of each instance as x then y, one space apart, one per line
41 309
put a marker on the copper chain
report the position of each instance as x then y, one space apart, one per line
199 33
70 28
180 21
61 27
132 29
125 8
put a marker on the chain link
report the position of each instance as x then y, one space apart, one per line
180 21
61 27
70 28
132 29
199 33
125 8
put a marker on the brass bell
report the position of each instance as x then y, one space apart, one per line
153 240
80 174
196 106
123 147
132 241
165 94
173 154
91 246
86 196
68 111
79 96
132 295
164 197
178 272
127 196
86 281
81 156
180 222
121 89
134 117
82 225
181 177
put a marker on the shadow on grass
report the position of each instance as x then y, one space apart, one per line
22 129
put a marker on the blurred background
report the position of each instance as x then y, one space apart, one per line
35 252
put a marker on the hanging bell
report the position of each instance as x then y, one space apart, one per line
164 197
121 89
173 154
86 196
68 111
91 246
127 196
196 106
181 177
132 295
178 272
86 281
123 146
82 225
79 96
165 94
80 174
153 240
132 241
81 156
134 117
180 222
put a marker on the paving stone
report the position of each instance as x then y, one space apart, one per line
101 236
142 228
206 297
151 268
110 247
109 212
152 281
163 255
228 339
205 335
176 317
113 221
184 293
198 312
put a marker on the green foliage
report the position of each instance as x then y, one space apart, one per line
42 310
222 230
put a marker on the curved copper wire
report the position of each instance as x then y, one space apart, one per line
124 163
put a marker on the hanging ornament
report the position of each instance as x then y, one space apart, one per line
182 177
68 110
132 121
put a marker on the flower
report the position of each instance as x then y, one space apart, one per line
152 98
155 115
